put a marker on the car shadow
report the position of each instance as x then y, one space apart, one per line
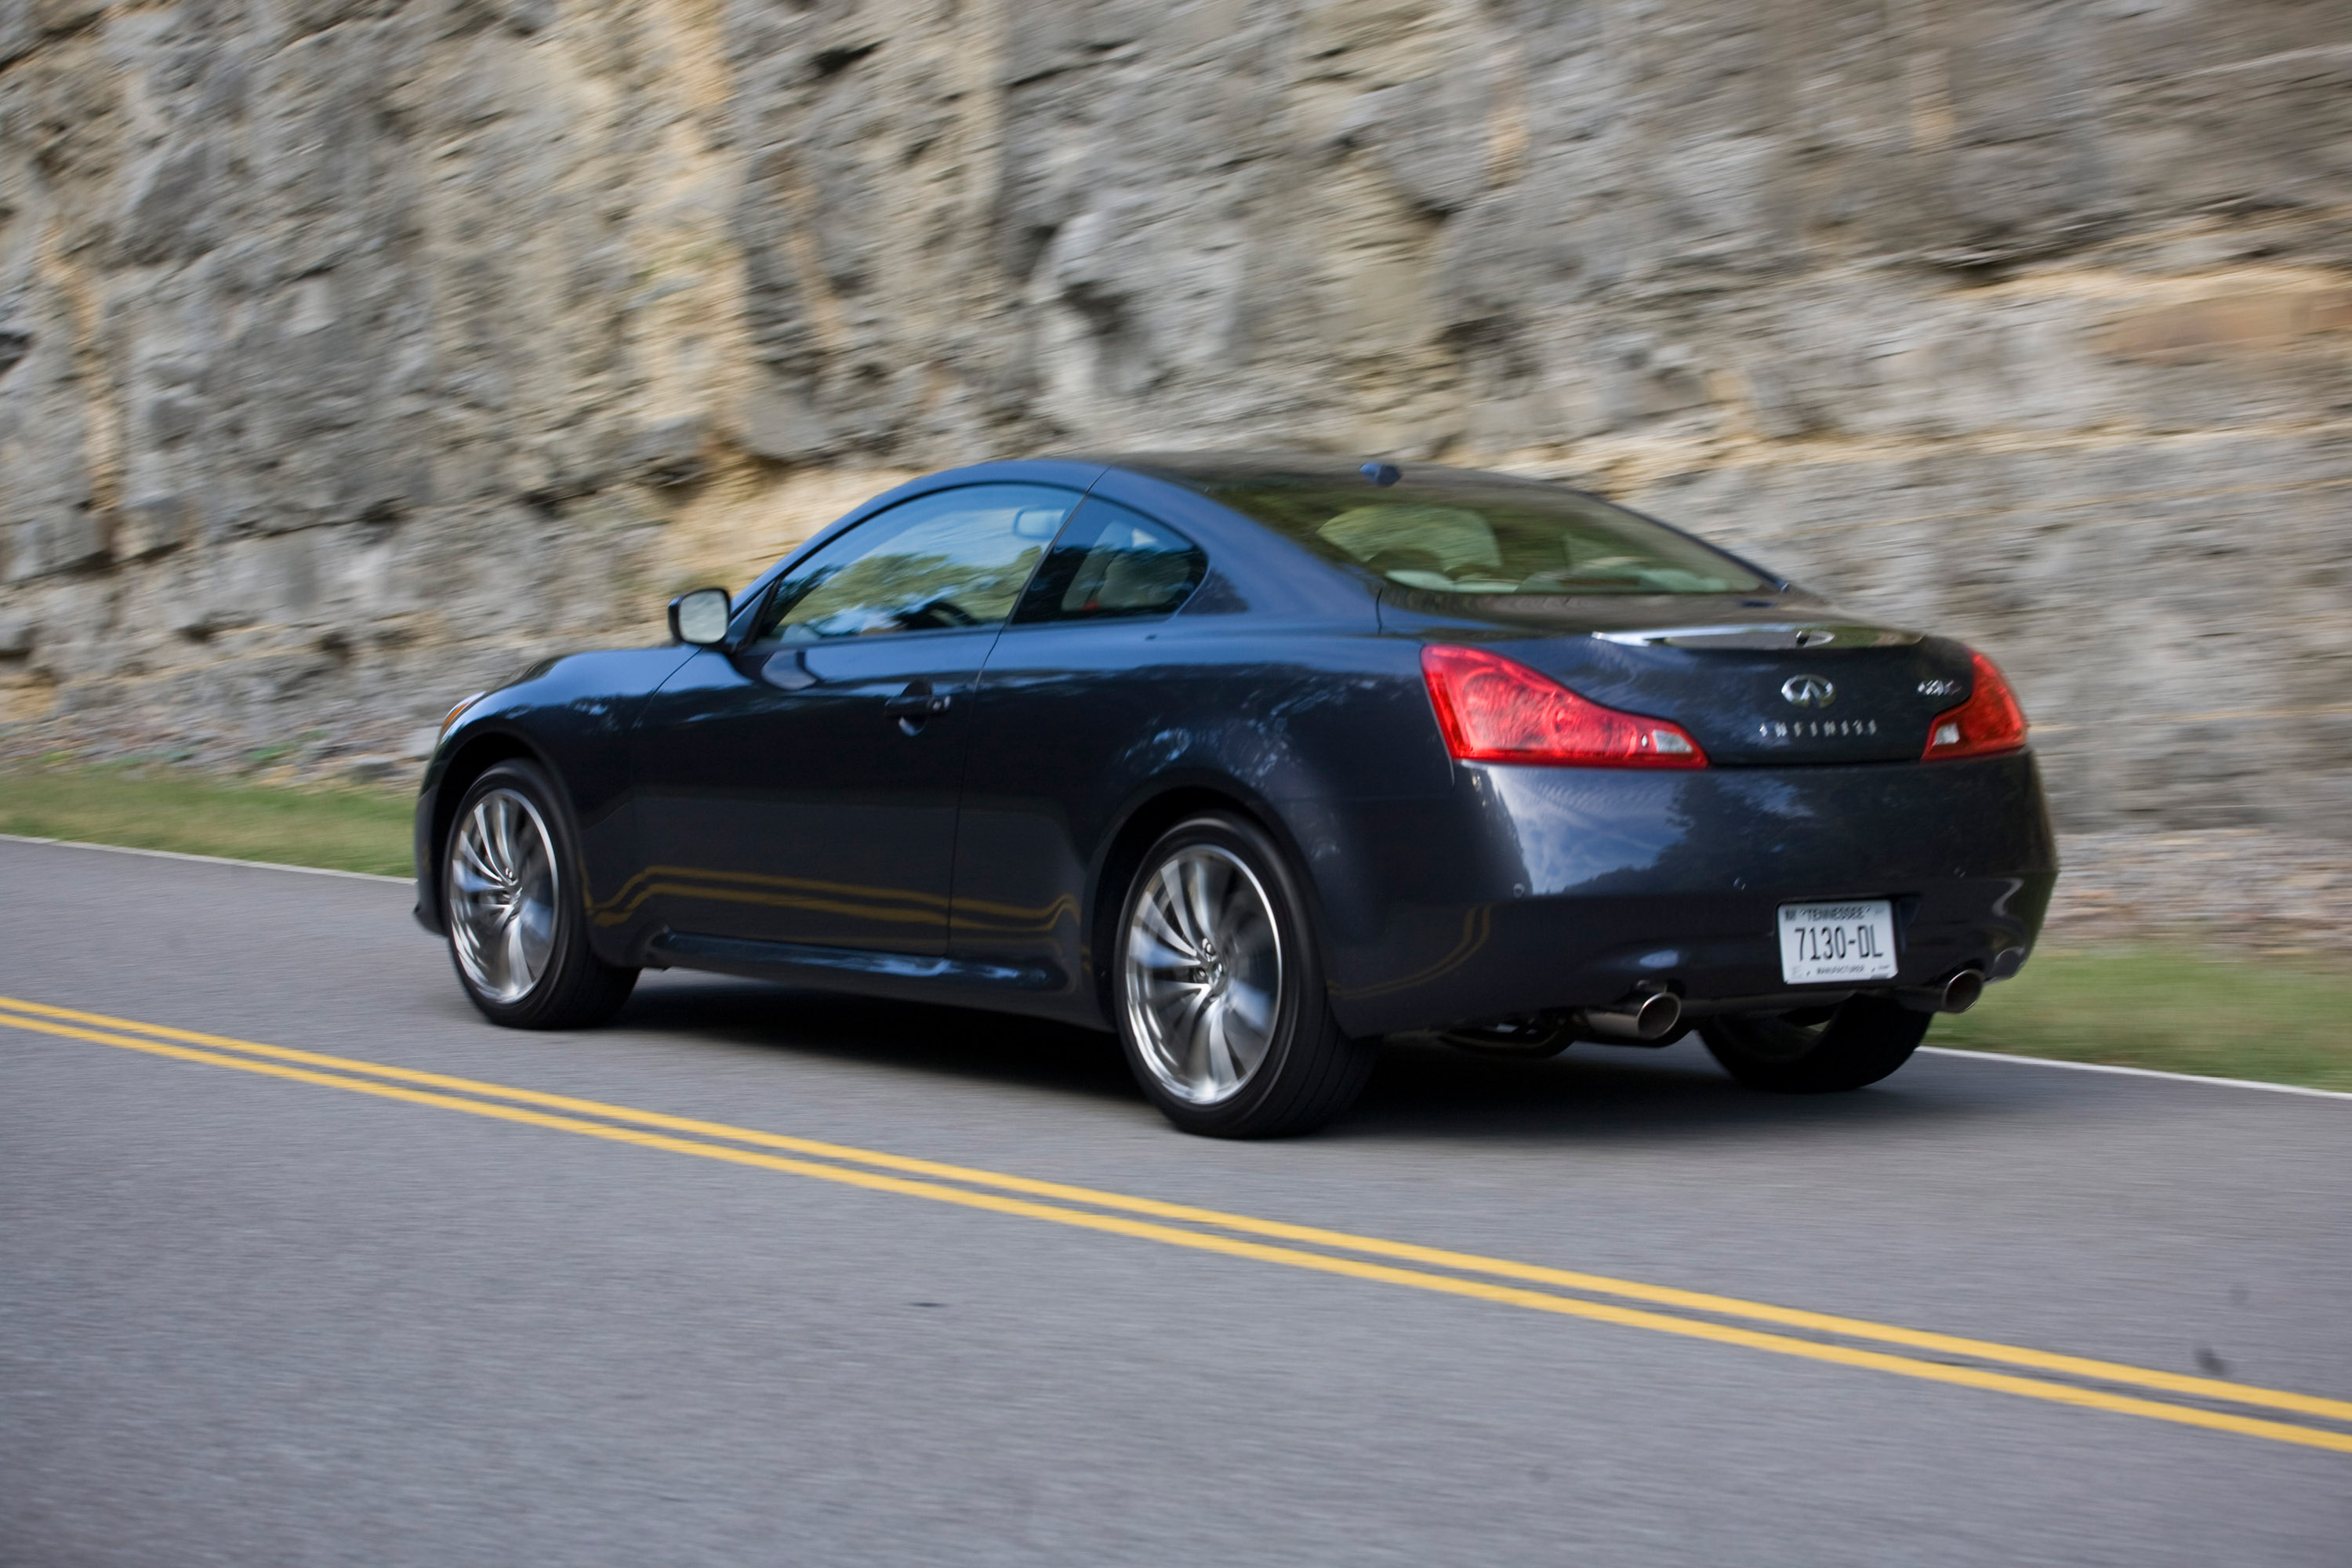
1421 1090
913 1036
1426 1090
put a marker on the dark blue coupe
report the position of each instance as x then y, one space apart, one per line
1255 759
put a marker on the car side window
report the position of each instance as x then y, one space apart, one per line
954 558
1113 562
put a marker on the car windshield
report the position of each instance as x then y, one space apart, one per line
1496 537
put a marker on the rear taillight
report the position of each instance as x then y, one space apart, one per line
1494 709
1989 722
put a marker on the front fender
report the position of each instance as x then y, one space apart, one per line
572 716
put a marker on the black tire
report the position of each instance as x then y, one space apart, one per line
572 988
1307 1070
1863 1039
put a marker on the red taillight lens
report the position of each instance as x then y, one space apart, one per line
1494 709
1989 722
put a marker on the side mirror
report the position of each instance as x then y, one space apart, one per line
701 617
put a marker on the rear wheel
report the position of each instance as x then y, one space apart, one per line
510 895
1819 1051
1218 996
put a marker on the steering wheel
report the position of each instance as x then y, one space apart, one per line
938 612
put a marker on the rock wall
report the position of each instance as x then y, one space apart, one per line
353 350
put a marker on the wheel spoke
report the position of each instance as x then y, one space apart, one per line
1168 896
489 942
535 924
533 872
1252 1007
1147 948
470 846
516 959
1225 1073
1152 918
477 874
1249 1049
1191 1031
1249 932
1177 1009
1199 907
508 833
485 827
461 937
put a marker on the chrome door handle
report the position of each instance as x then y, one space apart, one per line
916 705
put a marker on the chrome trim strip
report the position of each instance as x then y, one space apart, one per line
1765 635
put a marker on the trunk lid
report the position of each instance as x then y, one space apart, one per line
1787 680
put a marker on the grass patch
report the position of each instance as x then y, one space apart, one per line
345 829
2175 1009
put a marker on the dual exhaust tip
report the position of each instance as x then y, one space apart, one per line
1658 1014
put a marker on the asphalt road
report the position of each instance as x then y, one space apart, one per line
249 1319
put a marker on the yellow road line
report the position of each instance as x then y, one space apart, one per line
1656 1295
1972 1377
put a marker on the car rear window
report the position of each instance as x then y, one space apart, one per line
1110 561
1459 537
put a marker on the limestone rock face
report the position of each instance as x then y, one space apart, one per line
354 351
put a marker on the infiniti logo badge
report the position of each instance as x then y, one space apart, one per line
1808 691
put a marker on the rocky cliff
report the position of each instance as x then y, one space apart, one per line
351 350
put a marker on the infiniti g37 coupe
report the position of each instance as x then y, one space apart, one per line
1254 760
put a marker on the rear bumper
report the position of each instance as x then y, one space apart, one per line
1534 889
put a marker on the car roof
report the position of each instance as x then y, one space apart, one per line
1202 470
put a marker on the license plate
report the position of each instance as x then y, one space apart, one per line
1852 941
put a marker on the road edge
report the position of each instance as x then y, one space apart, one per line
203 859
2138 1072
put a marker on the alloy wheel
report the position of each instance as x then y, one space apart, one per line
1203 973
502 890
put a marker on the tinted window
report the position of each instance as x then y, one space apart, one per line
954 558
1113 562
1489 537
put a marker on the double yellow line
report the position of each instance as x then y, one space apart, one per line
2091 1384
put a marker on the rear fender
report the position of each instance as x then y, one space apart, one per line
1334 867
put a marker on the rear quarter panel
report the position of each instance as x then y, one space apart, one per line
1082 727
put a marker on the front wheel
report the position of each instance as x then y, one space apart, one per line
1825 1051
1219 993
511 898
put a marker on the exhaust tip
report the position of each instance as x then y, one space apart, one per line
1655 1018
1650 1018
1961 991
1956 994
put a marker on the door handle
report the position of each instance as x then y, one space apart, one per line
916 705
